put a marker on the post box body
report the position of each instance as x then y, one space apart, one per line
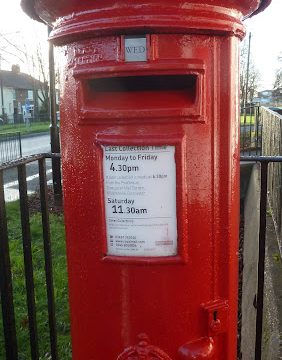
175 299
149 120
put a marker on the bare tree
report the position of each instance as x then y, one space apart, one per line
278 74
277 85
249 74
36 64
43 77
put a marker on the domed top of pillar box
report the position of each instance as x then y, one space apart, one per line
75 19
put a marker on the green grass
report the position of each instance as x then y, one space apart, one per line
276 257
249 119
60 285
35 127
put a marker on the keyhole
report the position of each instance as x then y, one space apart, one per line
215 315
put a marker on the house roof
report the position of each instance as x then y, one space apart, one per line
19 80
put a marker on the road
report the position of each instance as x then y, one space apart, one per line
249 128
30 145
36 144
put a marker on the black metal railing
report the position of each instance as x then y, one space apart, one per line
250 130
264 161
10 146
6 284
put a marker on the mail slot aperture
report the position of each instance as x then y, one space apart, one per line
171 90
157 94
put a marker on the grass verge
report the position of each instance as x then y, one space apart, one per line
249 119
60 285
35 127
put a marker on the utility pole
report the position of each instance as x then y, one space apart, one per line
54 129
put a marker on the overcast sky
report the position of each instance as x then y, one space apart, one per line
265 27
266 41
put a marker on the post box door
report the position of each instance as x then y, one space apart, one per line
152 247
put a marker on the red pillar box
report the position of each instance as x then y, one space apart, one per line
149 132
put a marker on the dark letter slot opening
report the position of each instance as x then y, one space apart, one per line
141 93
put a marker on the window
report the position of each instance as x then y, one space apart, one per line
30 94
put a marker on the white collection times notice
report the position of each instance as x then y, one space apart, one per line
140 200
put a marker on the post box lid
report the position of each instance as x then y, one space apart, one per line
46 10
72 19
263 4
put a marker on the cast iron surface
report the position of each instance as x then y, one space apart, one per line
137 294
76 19
114 298
32 7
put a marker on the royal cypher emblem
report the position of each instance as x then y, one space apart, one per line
143 351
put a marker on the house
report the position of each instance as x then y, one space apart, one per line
277 96
18 89
264 97
269 97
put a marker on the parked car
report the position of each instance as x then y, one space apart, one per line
276 109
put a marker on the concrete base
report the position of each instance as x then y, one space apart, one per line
272 331
272 334
250 260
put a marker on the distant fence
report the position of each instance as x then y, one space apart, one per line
250 130
10 146
272 146
19 118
